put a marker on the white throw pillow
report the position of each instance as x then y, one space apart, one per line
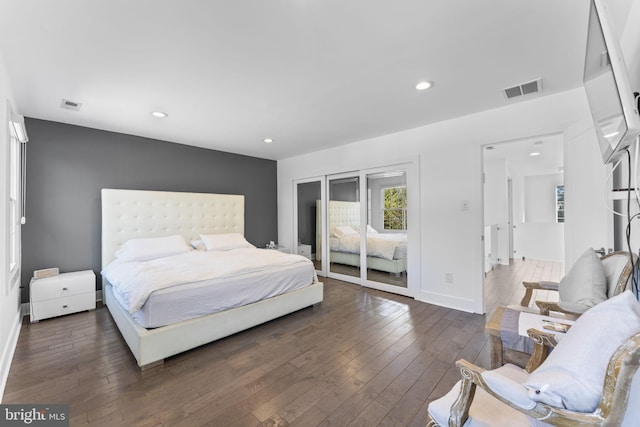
573 374
145 249
225 241
585 285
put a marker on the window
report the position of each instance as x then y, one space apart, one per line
395 208
560 203
14 203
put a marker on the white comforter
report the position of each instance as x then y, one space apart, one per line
378 245
137 280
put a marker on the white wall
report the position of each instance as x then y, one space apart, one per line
450 172
9 295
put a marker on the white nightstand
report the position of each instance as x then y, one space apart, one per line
304 250
62 294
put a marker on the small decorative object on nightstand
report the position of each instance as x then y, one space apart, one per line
62 294
304 250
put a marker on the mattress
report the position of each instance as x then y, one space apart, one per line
191 300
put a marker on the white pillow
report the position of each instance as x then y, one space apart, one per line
225 241
145 249
573 374
343 230
585 285
370 229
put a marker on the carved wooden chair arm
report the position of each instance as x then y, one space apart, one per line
530 286
542 341
471 376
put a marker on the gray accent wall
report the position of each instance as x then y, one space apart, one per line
68 165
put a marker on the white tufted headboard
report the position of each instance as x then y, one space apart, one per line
128 214
344 213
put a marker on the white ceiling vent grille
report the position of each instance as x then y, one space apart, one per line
527 88
70 105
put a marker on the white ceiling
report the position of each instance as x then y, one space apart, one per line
309 74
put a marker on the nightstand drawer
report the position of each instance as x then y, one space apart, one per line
60 306
63 285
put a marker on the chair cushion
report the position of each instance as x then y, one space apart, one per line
573 374
485 411
506 381
585 285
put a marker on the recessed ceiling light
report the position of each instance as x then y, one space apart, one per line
534 153
424 85
159 114
268 140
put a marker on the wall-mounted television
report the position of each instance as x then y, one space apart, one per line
606 82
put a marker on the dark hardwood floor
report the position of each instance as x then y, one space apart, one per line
362 357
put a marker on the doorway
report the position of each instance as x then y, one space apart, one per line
523 215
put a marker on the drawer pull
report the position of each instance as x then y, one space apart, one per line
65 306
64 289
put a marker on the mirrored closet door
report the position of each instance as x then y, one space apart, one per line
344 217
363 227
387 227
309 217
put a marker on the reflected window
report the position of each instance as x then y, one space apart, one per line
395 208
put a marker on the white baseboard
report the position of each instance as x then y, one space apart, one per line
457 303
8 351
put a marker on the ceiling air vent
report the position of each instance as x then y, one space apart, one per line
533 86
70 105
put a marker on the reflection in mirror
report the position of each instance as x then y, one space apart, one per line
309 217
344 218
387 226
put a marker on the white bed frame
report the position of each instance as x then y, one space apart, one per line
128 214
348 213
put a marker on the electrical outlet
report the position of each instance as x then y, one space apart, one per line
464 206
448 277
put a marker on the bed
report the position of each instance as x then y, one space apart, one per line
344 248
133 214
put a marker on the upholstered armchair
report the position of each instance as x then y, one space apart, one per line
591 280
585 381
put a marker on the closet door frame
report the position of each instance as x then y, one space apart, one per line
412 169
